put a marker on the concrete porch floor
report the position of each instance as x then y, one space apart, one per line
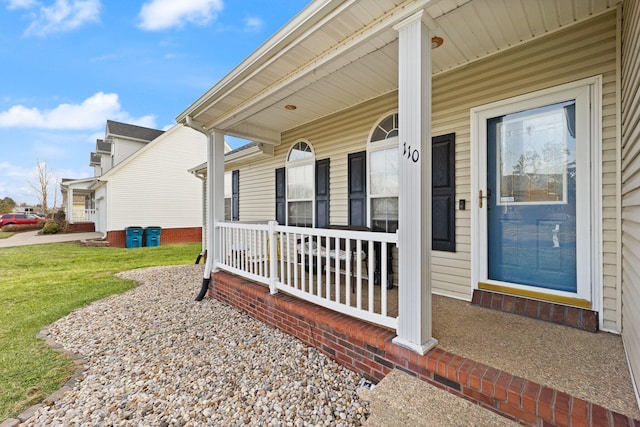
587 365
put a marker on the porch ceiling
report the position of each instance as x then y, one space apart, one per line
337 54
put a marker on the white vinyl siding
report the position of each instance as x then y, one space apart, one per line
581 51
631 184
154 188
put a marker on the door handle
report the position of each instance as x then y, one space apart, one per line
480 197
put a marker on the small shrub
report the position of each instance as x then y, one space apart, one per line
51 227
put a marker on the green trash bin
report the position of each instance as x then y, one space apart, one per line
134 237
152 236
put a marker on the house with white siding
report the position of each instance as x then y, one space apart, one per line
140 180
478 150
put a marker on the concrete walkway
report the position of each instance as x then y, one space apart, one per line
33 238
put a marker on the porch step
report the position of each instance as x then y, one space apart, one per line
401 400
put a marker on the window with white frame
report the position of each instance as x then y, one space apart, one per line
300 185
382 151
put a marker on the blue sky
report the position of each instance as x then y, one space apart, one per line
67 66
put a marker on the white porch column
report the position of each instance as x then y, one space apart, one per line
70 204
215 196
414 216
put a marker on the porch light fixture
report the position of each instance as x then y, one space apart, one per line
290 107
436 42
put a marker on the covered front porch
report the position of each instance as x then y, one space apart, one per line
316 99
79 200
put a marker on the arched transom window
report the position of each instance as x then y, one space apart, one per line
300 185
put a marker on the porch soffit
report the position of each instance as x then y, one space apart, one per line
349 55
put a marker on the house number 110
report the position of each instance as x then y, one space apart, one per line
411 154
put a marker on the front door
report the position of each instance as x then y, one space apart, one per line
531 197
534 206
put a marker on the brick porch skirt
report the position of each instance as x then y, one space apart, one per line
367 350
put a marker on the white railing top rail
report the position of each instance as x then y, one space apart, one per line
339 233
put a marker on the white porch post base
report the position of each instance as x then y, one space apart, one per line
420 349
414 179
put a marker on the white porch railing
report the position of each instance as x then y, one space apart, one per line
84 215
332 268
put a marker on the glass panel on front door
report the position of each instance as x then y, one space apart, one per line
531 189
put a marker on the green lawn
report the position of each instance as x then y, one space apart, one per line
5 234
42 283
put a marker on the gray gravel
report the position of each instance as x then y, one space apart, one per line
156 357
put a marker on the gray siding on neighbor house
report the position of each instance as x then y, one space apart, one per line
631 184
581 51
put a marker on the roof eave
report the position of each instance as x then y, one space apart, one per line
281 40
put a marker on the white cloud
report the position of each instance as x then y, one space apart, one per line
92 113
20 4
63 16
253 24
164 14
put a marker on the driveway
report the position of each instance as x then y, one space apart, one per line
33 238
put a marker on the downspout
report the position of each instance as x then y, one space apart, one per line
208 265
204 217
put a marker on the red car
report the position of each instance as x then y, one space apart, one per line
19 219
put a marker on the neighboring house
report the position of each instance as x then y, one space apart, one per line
141 181
516 126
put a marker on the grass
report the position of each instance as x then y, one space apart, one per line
5 234
42 283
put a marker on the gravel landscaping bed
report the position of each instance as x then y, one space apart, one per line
154 356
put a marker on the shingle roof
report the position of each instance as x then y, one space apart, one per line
132 131
103 146
94 159
241 148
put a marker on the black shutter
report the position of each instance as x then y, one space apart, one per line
281 197
443 210
357 191
322 193
235 195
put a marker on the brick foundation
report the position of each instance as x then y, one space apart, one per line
118 238
367 350
81 227
579 318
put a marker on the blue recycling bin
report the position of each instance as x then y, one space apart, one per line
134 237
152 236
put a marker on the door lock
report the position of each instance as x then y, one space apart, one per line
480 196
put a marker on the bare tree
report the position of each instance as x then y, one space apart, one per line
41 186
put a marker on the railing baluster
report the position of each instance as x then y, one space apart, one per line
280 257
371 282
327 268
348 279
338 273
383 280
319 267
359 284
